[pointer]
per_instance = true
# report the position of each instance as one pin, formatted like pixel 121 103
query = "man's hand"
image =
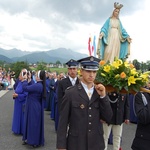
pixel 102 121
pixel 126 121
pixel 100 90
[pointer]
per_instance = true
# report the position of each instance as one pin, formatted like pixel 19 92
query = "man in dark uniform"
pixel 83 106
pixel 121 114
pixel 71 80
pixel 142 110
pixel 63 84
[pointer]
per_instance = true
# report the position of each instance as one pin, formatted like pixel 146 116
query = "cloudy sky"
pixel 40 25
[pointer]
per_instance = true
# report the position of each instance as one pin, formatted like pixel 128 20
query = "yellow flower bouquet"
pixel 120 75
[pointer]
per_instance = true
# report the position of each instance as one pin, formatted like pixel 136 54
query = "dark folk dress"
pixel 34 114
pixel 18 115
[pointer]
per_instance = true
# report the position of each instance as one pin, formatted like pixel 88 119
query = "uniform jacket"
pixel 142 135
pixel 121 109
pixel 80 120
pixel 62 86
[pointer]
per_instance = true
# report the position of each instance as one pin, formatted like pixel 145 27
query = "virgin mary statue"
pixel 113 40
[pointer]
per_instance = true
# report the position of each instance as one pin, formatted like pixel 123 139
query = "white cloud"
pixel 20 30
pixel 137 25
pixel 44 25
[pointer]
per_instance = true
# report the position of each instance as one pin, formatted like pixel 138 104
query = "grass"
pixel 58 70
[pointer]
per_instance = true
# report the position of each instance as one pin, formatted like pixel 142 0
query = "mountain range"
pixel 50 56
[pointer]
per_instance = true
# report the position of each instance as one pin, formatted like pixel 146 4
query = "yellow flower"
pixel 144 76
pixel 121 74
pixel 107 68
pixel 79 73
pixel 117 76
pixel 126 64
pixel 103 74
pixel 147 72
pixel 138 78
pixel 131 80
pixel 133 71
pixel 117 63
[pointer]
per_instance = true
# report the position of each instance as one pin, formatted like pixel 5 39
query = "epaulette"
pixel 69 87
pixel 79 86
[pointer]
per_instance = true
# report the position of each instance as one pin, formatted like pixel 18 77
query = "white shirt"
pixel 88 91
pixel 55 79
pixel 73 80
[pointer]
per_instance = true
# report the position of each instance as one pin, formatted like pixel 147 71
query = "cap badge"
pixel 91 59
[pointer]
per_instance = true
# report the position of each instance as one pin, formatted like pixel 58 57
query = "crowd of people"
pixel 85 115
pixel 6 78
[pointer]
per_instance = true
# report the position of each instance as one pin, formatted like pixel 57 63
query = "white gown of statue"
pixel 112 50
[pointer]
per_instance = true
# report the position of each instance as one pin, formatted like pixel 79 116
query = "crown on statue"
pixel 117 5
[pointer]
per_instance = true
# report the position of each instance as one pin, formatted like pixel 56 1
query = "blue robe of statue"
pixel 124 47
pixel 34 114
pixel 19 103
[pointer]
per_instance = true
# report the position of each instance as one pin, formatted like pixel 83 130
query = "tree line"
pixel 17 66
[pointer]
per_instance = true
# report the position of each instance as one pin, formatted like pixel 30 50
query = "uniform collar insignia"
pixel 82 106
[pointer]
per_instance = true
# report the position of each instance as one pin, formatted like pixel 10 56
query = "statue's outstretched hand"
pixel 100 36
pixel 129 40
